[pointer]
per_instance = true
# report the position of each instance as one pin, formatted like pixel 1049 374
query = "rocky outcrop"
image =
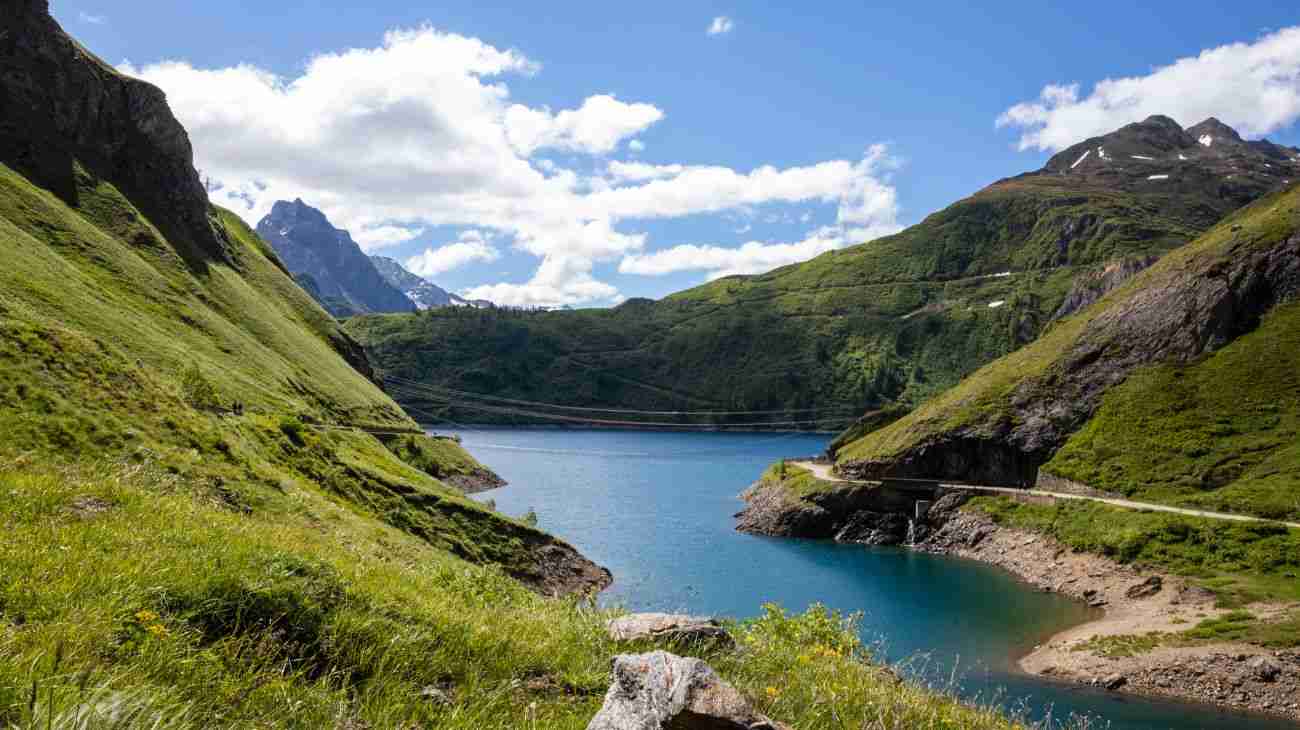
pixel 1177 311
pixel 346 280
pixel 1090 287
pixel 672 628
pixel 660 691
pixel 63 111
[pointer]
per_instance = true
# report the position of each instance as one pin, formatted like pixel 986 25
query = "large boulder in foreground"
pixel 676 628
pixel 661 691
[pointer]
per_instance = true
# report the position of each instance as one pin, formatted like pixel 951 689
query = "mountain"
pixel 212 518
pixel 422 292
pixel 1180 386
pixel 342 278
pixel 885 324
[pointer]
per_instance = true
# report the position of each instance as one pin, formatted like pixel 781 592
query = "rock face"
pixel 346 281
pixel 1092 286
pixel 62 108
pixel 660 691
pixel 675 628
pixel 1178 315
pixel 423 293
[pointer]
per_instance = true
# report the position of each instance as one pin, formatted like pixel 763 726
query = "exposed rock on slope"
pixel 1008 419
pixel 62 107
pixel 896 320
pixel 660 691
pixel 346 281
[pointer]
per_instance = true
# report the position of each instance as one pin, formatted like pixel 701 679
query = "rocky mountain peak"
pixel 63 109
pixel 1215 131
pixel 345 280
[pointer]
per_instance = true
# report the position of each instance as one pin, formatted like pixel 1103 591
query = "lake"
pixel 656 509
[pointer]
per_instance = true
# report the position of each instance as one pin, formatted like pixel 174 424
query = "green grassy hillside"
pixel 1180 387
pixel 186 541
pixel 893 321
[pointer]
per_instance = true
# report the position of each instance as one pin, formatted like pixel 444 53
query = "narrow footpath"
pixel 823 472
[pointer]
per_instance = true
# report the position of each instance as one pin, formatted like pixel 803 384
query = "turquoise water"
pixel 656 509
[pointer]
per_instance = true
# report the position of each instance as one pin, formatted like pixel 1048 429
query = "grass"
pixel 885 324
pixel 170 605
pixel 1122 645
pixel 1219 433
pixel 796 481
pixel 1241 562
pixel 1234 626
pixel 190 537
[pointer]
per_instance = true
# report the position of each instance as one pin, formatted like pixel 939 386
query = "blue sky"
pixel 870 116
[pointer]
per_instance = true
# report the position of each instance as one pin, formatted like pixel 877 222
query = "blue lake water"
pixel 656 509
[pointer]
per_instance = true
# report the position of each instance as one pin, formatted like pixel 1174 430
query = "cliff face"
pixel 346 280
pixel 1009 418
pixel 60 107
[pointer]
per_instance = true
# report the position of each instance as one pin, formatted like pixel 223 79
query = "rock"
pixel 1264 668
pixel 658 691
pixel 866 527
pixel 435 695
pixel 667 627
pixel 1148 587
pixel 1114 681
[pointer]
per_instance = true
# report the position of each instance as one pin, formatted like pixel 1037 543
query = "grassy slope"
pixel 898 319
pixel 175 607
pixel 1218 432
pixel 180 547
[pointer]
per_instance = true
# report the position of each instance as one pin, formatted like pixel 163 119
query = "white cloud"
pixel 471 246
pixel 422 132
pixel 751 258
pixel 1253 87
pixel 721 25
pixel 91 18
pixel 636 145
pixel 381 236
pixel 596 127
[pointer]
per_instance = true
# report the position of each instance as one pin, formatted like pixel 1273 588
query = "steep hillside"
pixel 194 535
pixel 166 335
pixel 1180 386
pixel 895 320
pixel 331 265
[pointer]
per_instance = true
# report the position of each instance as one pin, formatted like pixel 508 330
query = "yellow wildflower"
pixel 146 616
pixel 773 692
pixel 158 630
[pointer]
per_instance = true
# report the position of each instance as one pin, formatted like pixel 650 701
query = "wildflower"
pixel 146 616
pixel 158 630
pixel 773 693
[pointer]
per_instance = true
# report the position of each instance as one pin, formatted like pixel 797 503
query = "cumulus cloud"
pixel 421 132
pixel 471 246
pixel 636 145
pixel 721 25
pixel 1253 87
pixel 598 126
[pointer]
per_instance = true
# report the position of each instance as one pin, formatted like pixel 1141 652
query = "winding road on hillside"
pixel 823 472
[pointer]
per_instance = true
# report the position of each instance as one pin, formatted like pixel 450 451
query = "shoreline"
pixel 1233 676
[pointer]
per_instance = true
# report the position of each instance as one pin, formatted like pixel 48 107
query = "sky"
pixel 582 153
